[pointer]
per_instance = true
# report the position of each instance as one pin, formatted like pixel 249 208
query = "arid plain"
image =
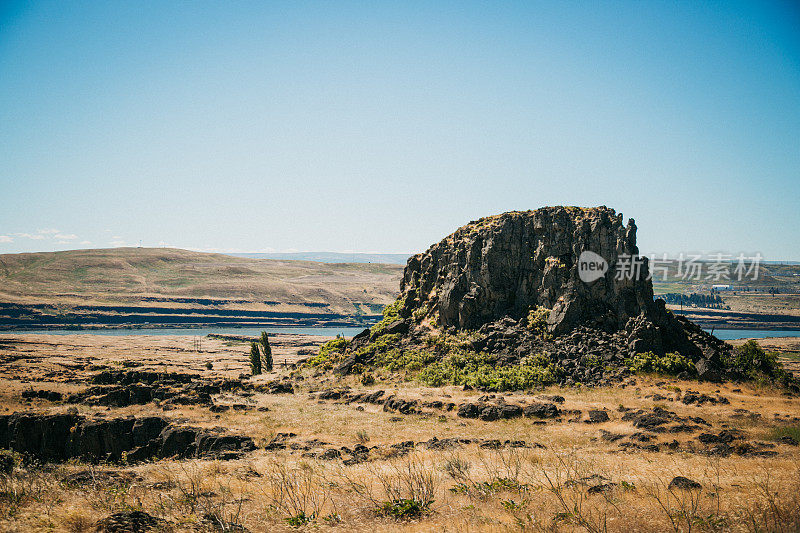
pixel 331 452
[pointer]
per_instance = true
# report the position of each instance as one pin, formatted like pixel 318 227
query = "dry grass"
pixel 467 488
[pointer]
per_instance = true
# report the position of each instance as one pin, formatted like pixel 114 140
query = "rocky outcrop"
pixel 504 265
pixel 578 266
pixel 59 437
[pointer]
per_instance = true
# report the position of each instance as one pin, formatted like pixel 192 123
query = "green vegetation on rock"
pixel 409 360
pixel 480 370
pixel 670 364
pixel 329 354
pixel 390 314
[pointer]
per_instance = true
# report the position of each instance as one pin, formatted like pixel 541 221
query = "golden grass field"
pixel 472 487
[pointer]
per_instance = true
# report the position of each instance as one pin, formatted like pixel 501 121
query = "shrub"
pixel 299 493
pixel 751 361
pixel 410 360
pixel 329 353
pixel 592 361
pixel 484 489
pixel 419 314
pixel 404 509
pixel 299 520
pixel 537 321
pixel 390 314
pixel 255 359
pixel 267 351
pixel 670 364
pixel 402 489
pixel 479 370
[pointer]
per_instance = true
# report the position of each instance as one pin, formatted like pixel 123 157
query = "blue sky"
pixel 384 126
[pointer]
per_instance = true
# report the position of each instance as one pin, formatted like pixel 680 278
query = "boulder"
pixel 541 410
pixel 596 416
pixel 128 522
pixel 468 410
pixel 684 483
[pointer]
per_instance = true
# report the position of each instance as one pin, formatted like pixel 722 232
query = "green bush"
pixel 404 509
pixel 299 519
pixel 409 360
pixel 751 361
pixel 480 371
pixel 390 314
pixel 592 361
pixel 670 364
pixel 381 344
pixel 329 353
pixel 537 321
pixel 255 359
pixel 419 314
pixel 484 489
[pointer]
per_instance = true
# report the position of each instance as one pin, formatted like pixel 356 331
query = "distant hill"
pixel 332 257
pixel 194 282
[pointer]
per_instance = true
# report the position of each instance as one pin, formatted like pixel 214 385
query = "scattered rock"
pixel 49 395
pixel 128 522
pixel 596 416
pixel 610 437
pixel 684 483
pixel 541 410
pixel 330 454
pixel 602 487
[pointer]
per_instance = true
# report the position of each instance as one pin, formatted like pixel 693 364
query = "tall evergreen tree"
pixel 265 347
pixel 255 359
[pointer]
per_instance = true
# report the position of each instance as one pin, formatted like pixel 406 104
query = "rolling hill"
pixel 172 283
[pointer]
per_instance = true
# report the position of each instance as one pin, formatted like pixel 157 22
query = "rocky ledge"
pixel 59 437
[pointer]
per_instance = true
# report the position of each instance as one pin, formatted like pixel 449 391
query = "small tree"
pixel 255 359
pixel 267 351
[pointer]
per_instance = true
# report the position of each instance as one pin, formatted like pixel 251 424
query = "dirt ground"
pixel 326 458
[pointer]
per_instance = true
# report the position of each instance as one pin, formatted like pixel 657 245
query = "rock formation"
pixel 506 264
pixel 579 266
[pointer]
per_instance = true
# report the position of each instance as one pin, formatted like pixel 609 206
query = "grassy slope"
pixel 127 275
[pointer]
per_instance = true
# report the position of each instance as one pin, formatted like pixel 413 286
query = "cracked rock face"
pixel 506 264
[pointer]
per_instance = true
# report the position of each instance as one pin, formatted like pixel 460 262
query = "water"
pixel 199 332
pixel 724 334
pixel 732 334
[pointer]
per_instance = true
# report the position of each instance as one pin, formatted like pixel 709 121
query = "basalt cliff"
pixel 575 270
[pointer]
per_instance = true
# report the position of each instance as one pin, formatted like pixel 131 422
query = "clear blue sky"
pixel 383 126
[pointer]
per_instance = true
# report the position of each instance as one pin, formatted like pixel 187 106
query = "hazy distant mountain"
pixel 332 257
